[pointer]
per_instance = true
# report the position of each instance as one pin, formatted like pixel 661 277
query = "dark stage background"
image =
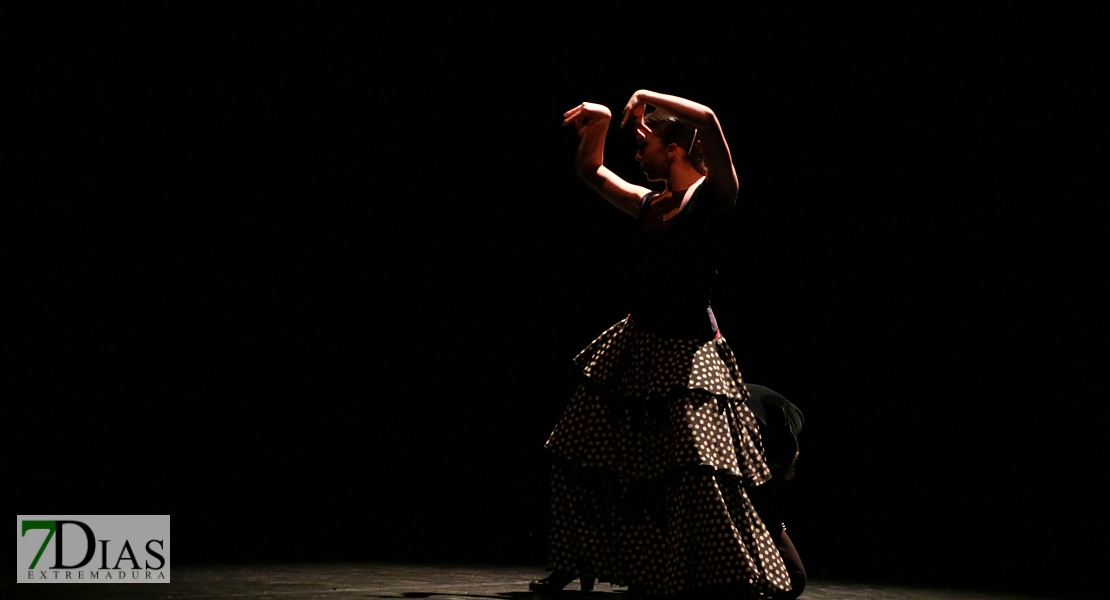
pixel 309 278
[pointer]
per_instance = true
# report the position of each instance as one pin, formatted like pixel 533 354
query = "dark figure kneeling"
pixel 780 422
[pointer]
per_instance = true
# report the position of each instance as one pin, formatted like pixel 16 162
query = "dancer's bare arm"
pixel 718 159
pixel 591 121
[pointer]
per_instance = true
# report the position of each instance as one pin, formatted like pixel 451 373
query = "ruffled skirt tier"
pixel 653 454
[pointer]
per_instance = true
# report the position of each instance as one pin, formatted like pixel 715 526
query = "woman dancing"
pixel 656 446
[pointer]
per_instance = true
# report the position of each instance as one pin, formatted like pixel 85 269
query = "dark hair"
pixel 672 131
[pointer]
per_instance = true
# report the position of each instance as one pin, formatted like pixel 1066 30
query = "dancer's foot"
pixel 559 580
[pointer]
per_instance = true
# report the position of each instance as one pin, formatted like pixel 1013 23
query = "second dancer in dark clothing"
pixel 780 422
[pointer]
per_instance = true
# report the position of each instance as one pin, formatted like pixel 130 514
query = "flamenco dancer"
pixel 656 446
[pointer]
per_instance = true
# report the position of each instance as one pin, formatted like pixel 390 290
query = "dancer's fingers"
pixel 637 112
pixel 576 109
pixel 572 114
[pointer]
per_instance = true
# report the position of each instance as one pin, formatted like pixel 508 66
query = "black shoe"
pixel 559 580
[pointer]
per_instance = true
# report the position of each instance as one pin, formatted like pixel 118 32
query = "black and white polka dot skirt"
pixel 652 456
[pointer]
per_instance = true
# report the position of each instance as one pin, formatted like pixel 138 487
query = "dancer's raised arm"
pixel 718 159
pixel 591 122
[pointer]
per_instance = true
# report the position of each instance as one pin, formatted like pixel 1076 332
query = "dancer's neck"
pixel 682 179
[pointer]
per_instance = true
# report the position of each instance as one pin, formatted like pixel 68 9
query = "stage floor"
pixel 339 582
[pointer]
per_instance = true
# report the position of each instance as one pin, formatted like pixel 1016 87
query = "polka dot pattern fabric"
pixel 651 404
pixel 633 362
pixel 649 440
pixel 652 456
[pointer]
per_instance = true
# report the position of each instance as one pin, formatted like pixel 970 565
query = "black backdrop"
pixel 309 278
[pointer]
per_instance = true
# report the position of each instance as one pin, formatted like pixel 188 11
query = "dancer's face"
pixel 652 156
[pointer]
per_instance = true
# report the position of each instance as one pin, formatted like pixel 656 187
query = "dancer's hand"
pixel 587 116
pixel 634 110
pixel 591 121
